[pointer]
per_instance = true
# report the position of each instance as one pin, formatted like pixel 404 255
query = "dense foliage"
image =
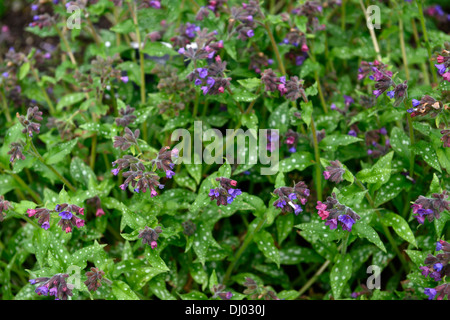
pixel 99 200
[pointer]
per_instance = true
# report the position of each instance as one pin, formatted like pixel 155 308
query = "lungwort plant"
pixel 224 149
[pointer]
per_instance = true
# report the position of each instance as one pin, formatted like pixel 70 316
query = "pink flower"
pixel 218 59
pixel 81 211
pixel 446 76
pixel 153 193
pixel 305 47
pixel 68 229
pixel 79 222
pixel 321 206
pixel 99 212
pixel 153 244
pixel 233 183
pixel 323 214
pixel 31 212
pixel 416 207
pixel 440 59
pixel 326 175
pixel 221 90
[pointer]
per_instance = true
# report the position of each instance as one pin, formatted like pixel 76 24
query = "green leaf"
pixel 297 161
pixel 307 109
pixel 122 291
pixel 334 141
pixel 318 230
pixel 70 99
pixel 428 154
pixel 340 274
pixel 363 230
pixel 265 243
pixel 391 189
pixel 250 83
pixel 59 152
pixel 279 118
pixel 284 223
pixel 193 295
pixel 400 142
pixel 81 172
pixel 24 69
pixel 124 27
pixel 400 226
pixel 418 257
pixel 213 281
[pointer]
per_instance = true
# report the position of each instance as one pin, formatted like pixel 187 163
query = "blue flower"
pixel 347 222
pixel 438 266
pixel 115 171
pixel 250 33
pixel 281 204
pixel 415 102
pixel 197 82
pixel 42 290
pixel 202 72
pixel 297 209
pixel 430 292
pixel 438 246
pixel 352 133
pixel 292 196
pixel 391 94
pixel 441 68
pixel 66 215
pixel 169 174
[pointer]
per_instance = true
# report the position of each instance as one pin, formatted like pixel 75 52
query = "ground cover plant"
pixel 221 150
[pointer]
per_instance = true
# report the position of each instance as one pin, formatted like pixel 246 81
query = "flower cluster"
pixel 128 139
pixel 258 292
pixel 126 116
pixel 245 15
pixel 287 196
pixel 4 206
pixel 438 266
pixel 426 105
pixel 443 65
pixel 292 88
pixel 430 208
pixel 67 213
pixel 296 38
pixel 446 138
pixel 334 172
pixel 16 151
pixel 310 9
pixel 33 114
pixel 164 161
pixel 258 61
pixel 292 140
pixel 224 193
pixel 149 236
pixel 211 79
pixel 95 277
pixel 55 286
pixel 219 291
pixel 336 214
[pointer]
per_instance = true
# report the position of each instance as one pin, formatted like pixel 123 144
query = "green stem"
pixel 5 106
pixel 317 158
pixel 44 92
pixel 64 180
pixel 343 14
pixel 244 246
pixel 93 151
pixel 313 278
pixel 141 53
pixel 66 44
pixel 427 42
pixel 402 43
pixel 319 86
pixel 344 243
pixel 423 66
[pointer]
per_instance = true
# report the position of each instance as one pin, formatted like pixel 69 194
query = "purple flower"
pixel 197 82
pixel 32 281
pixel 326 175
pixel 115 171
pixel 352 133
pixel 250 33
pixel 210 82
pixel 42 290
pixel 332 223
pixel 124 79
pixel 123 186
pixel 297 209
pixel 333 106
pixel 415 102
pixel 441 68
pixel 202 72
pixel 181 51
pixel 348 100
pixel 281 204
pixel 377 93
pixel 438 246
pixel 430 292
pixel 45 225
pixel 66 215
pixel 270 61
pixel 383 131
pixel 34 7
pixel 292 150
pixel 410 110
pixel 391 94
pixel 425 271
pixel 347 221
pixel 438 266
pixel 436 276
pixel 53 291
pixel 169 174
pixel 136 190
pixel 292 196
pixel 5 74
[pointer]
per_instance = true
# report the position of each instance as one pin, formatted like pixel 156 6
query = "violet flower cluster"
pixel 225 193
pixel 334 171
pixel 438 267
pixel 336 214
pixel 290 198
pixel 443 65
pixel 55 286
pixel 243 18
pixel 427 105
pixel 150 236
pixel 67 213
pixel 430 208
pixel 292 88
